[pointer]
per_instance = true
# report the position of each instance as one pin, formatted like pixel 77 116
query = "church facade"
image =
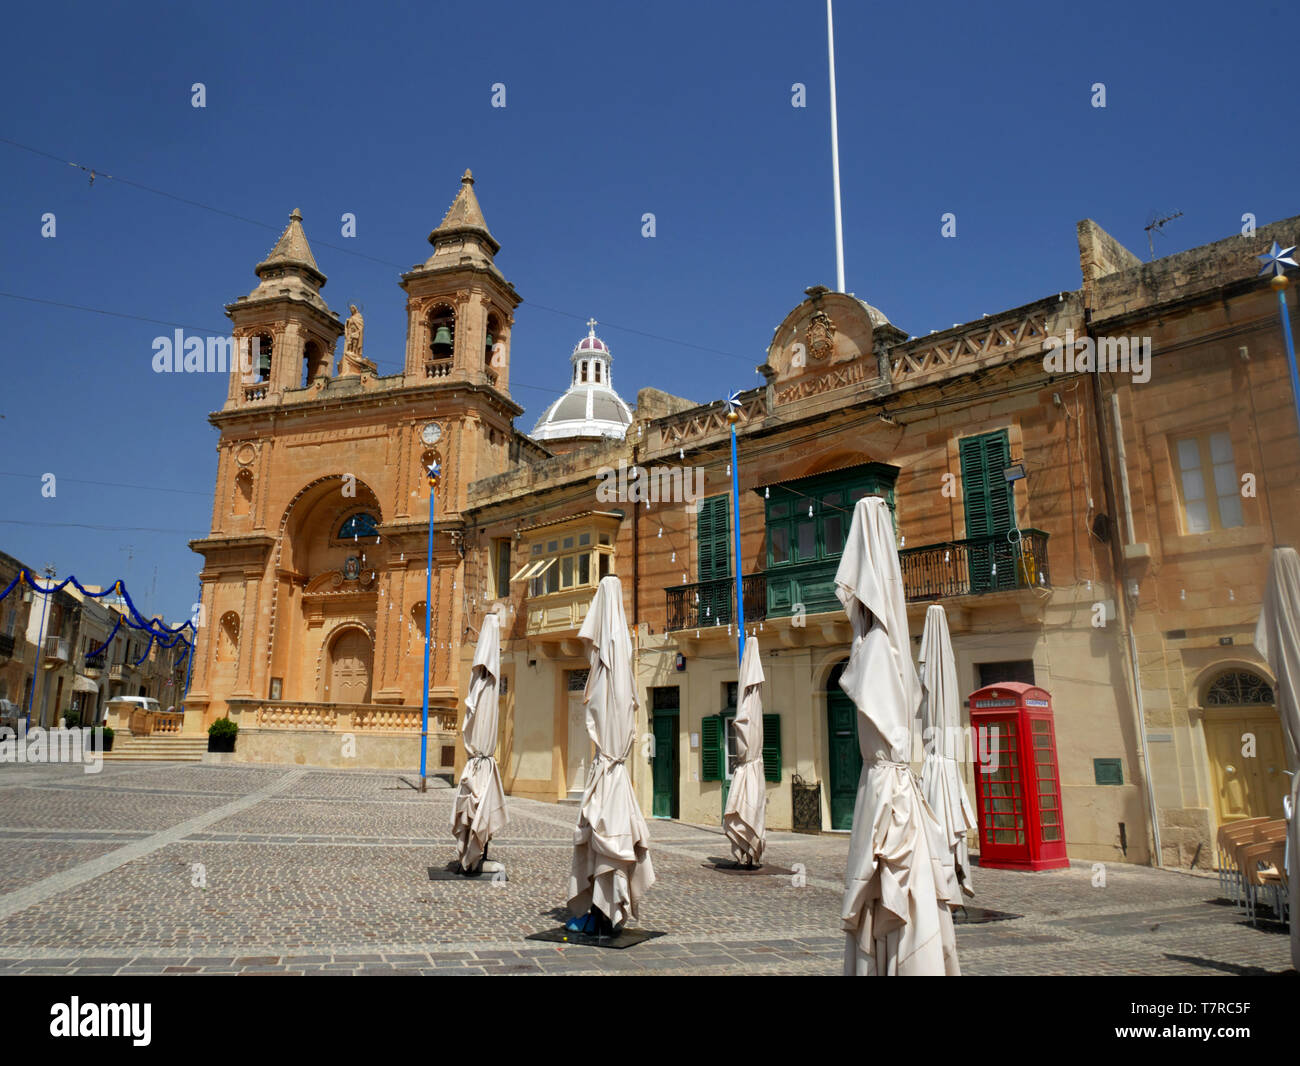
pixel 313 582
pixel 1078 525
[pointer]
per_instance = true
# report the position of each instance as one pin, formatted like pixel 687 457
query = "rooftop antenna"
pixel 1157 225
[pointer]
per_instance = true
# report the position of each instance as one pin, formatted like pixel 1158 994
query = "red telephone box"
pixel 1019 800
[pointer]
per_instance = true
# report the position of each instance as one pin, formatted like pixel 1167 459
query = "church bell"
pixel 441 341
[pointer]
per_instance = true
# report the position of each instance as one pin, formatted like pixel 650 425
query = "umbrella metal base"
pixel 624 938
pixel 487 872
pixel 979 916
pixel 727 866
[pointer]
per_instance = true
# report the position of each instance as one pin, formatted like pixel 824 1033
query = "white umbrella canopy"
pixel 611 868
pixel 745 820
pixel 896 906
pixel 479 812
pixel 1277 636
pixel 941 781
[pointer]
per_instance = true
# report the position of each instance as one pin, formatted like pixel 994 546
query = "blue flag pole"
pixel 733 416
pixel 1275 260
pixel 434 471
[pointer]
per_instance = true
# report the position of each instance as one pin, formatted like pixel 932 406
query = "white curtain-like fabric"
pixel 479 812
pixel 945 749
pixel 611 867
pixel 1277 636
pixel 745 820
pixel 896 912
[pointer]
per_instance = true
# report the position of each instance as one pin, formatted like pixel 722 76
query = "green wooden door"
pixel 713 559
pixel 845 755
pixel 990 511
pixel 665 766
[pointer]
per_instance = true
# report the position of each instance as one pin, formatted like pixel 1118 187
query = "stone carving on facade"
pixel 820 335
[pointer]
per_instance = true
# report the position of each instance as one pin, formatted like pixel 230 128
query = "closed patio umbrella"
pixel 479 812
pixel 896 907
pixel 745 820
pixel 941 781
pixel 1277 636
pixel 611 868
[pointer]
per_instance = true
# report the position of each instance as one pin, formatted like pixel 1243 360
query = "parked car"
pixel 134 703
pixel 10 714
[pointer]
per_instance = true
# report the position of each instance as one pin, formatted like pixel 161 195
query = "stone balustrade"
pixel 340 717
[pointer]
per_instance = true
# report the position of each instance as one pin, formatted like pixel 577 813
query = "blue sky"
pixel 680 109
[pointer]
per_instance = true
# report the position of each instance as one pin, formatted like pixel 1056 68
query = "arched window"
pixel 442 332
pixel 417 620
pixel 493 336
pixel 596 369
pixel 243 502
pixel 357 526
pixel 1239 688
pixel 315 362
pixel 261 348
pixel 228 639
pixel 584 371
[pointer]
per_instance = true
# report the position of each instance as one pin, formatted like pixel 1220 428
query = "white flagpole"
pixel 835 155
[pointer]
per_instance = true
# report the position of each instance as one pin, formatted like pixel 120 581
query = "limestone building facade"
pixel 1122 572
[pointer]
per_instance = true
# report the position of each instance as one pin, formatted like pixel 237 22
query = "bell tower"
pixel 284 331
pixel 459 306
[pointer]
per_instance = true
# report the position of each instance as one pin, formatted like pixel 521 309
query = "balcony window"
pixel 565 563
pixel 808 519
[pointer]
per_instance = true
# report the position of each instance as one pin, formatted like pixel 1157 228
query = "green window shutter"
pixel 711 748
pixel 711 525
pixel 772 747
pixel 990 503
pixel 714 559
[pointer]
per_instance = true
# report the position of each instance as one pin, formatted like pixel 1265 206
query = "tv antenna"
pixel 1157 225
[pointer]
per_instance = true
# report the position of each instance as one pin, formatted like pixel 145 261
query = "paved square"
pixel 192 869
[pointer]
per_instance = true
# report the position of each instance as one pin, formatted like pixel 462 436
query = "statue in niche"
pixel 354 332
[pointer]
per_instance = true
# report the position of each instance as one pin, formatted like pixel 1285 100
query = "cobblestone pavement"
pixel 315 871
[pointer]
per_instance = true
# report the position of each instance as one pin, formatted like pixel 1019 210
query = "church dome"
pixel 590 408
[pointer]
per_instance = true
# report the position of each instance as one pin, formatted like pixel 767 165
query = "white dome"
pixel 590 408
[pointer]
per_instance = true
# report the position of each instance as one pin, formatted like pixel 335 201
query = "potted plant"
pixel 221 735
pixel 107 741
pixel 71 717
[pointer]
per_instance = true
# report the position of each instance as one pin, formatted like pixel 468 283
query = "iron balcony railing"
pixel 713 603
pixel 971 567
pixel 976 565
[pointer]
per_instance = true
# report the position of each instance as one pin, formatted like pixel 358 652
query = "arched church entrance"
pixel 350 657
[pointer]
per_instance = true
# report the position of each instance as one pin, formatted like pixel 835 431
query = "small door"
pixel 350 668
pixel 1247 786
pixel 845 755
pixel 666 799
pixel 578 747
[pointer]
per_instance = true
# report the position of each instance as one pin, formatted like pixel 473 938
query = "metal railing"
pixel 713 603
pixel 971 567
pixel 976 566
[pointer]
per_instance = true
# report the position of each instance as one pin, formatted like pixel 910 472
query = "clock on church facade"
pixel 313 581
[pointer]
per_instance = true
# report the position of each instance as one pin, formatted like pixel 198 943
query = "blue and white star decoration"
pixel 1276 259
pixel 733 402
pixel 435 471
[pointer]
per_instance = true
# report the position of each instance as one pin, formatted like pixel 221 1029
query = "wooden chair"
pixel 1230 835
pixel 1263 866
